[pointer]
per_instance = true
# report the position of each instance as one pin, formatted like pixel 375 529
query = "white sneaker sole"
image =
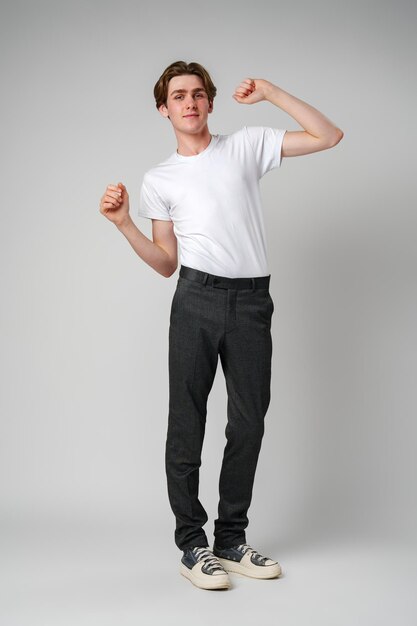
pixel 264 572
pixel 204 581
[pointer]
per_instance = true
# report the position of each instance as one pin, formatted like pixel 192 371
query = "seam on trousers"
pixel 197 352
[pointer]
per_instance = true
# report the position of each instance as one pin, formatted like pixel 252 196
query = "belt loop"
pixel 205 278
pixel 253 284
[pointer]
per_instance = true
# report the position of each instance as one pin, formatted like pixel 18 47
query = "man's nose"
pixel 190 102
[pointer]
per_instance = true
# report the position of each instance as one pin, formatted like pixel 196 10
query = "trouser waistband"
pixel 224 282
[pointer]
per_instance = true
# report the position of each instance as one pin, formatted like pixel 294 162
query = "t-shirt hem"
pixel 278 158
pixel 155 217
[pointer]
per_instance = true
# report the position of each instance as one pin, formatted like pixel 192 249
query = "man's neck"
pixel 190 145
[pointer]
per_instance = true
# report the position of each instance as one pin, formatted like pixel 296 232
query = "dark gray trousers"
pixel 211 316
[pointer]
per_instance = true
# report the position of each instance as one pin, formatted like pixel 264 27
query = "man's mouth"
pixel 192 115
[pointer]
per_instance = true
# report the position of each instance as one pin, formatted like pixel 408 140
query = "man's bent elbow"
pixel 336 137
pixel 169 271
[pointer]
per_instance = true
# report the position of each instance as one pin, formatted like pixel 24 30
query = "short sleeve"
pixel 267 146
pixel 150 203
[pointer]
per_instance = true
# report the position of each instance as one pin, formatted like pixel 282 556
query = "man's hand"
pixel 252 90
pixel 114 204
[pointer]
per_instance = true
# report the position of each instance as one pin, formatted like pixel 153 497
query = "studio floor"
pixel 87 576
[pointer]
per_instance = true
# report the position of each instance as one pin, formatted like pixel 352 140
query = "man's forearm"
pixel 306 115
pixel 148 251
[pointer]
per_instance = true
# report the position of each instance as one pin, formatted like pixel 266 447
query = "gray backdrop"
pixel 86 525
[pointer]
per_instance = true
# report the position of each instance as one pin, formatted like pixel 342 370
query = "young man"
pixel 206 196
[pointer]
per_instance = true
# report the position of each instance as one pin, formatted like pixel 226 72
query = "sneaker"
pixel 204 569
pixel 243 559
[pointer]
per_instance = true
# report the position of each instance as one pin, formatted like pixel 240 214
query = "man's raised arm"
pixel 319 132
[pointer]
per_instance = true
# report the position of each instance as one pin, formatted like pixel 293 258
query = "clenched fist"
pixel 114 204
pixel 252 90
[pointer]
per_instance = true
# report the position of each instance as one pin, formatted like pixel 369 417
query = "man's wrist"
pixel 125 223
pixel 271 92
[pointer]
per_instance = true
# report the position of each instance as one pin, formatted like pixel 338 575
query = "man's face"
pixel 187 104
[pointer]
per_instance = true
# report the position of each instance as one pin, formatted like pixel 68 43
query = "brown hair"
pixel 179 68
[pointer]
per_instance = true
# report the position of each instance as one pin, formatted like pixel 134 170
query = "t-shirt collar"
pixel 194 157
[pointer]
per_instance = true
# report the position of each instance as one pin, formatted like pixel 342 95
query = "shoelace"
pixel 244 547
pixel 211 561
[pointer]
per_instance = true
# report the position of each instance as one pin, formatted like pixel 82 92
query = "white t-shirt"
pixel 213 198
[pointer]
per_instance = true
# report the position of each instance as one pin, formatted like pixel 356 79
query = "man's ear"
pixel 211 104
pixel 163 110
